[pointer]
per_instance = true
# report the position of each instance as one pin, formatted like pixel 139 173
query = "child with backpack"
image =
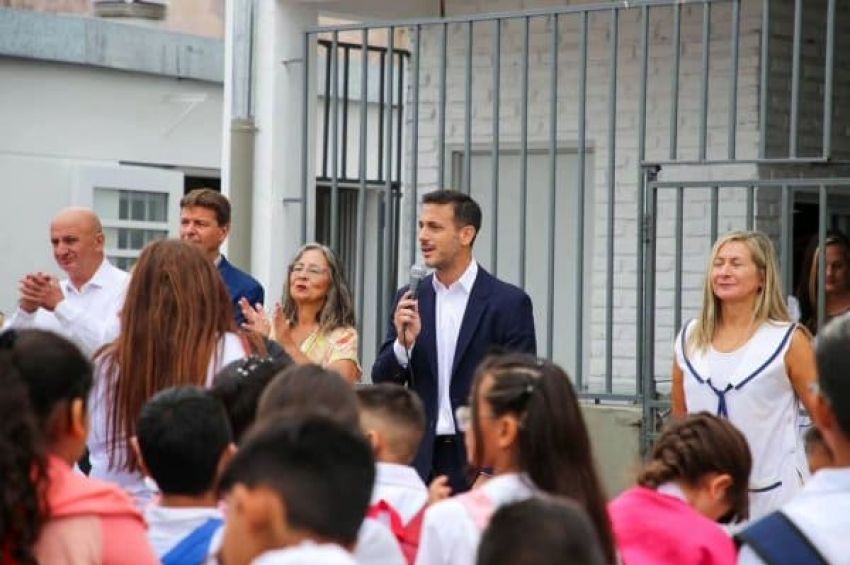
pixel 696 476
pixel 183 441
pixel 525 425
pixel 393 419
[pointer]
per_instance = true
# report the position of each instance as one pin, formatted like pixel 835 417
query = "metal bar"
pixel 612 149
pixel 441 111
pixel 733 78
pixel 334 227
pixel 305 137
pixel 560 10
pixel 751 198
pixel 784 238
pixel 676 48
pixel 327 110
pixel 763 65
pixel 494 147
pixel 822 219
pixel 386 285
pixel 829 79
pixel 780 161
pixel 400 119
pixel 582 155
pixel 640 321
pixel 523 174
pixel 413 197
pixel 648 380
pixel 381 109
pixel 795 78
pixel 677 268
pixel 553 187
pixel 703 106
pixel 345 103
pixel 761 183
pixel 715 212
pixel 467 113
pixel 361 192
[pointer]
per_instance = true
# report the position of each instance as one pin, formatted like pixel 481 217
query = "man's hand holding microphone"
pixel 406 318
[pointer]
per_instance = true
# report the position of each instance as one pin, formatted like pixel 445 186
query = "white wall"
pixel 59 119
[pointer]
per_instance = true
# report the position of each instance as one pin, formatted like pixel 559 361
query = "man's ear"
pixel 375 440
pixel 467 235
pixel 134 443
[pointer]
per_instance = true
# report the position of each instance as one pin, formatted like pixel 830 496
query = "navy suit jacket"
pixel 498 318
pixel 239 284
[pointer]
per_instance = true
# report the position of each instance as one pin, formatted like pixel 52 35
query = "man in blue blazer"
pixel 205 221
pixel 436 339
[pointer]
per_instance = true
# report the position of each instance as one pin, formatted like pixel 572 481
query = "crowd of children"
pixel 278 464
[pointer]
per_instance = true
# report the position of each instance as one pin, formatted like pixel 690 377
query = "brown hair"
pixel 305 390
pixel 400 414
pixel 176 311
pixel 554 447
pixel 702 443
pixel 209 198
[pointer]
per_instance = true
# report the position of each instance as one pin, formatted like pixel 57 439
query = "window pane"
pixel 157 206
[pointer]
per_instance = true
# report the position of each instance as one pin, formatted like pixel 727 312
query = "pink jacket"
pixel 652 528
pixel 90 522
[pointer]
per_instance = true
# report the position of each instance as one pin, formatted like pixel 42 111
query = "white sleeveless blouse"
pixel 756 395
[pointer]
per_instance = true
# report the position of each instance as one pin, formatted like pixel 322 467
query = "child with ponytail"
pixel 526 426
pixel 50 513
pixel 697 475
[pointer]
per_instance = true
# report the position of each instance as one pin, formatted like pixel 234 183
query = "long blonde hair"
pixel 770 304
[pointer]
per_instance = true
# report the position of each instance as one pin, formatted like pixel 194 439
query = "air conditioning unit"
pixel 146 9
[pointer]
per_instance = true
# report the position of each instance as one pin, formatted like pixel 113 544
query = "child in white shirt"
pixel 525 425
pixel 183 440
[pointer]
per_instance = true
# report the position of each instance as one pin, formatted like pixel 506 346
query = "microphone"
pixel 417 273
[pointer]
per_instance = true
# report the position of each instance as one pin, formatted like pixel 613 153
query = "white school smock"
pixel 401 487
pixel 229 349
pixel 754 392
pixel 450 534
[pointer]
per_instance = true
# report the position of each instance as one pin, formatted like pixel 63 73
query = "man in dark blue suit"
pixel 437 339
pixel 205 221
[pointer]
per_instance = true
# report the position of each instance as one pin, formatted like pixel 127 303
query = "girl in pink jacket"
pixel 50 513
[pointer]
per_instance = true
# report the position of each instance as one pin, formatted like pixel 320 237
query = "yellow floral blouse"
pixel 325 349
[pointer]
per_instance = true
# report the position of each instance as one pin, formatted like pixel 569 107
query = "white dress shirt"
pixel 822 512
pixel 451 304
pixel 307 553
pixel 88 315
pixel 376 545
pixel 169 526
pixel 401 487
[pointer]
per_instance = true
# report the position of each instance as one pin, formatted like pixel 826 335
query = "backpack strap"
pixel 193 549
pixel 778 541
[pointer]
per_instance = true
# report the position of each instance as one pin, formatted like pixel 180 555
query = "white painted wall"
pixel 59 120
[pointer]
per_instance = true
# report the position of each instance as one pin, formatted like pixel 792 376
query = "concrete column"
pixel 275 101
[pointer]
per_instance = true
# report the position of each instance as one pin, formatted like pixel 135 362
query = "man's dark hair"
pixel 211 199
pixel 540 531
pixel 182 433
pixel 401 410
pixel 466 210
pixel 239 386
pixel 322 472
pixel 833 368
pixel 303 390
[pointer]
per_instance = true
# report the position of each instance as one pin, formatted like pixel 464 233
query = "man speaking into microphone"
pixel 437 338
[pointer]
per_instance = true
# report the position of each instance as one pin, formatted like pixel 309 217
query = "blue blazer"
pixel 498 318
pixel 239 284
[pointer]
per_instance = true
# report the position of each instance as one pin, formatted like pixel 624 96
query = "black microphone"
pixel 417 273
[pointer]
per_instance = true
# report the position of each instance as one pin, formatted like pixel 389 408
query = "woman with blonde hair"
pixel 743 359
pixel 315 323
pixel 177 328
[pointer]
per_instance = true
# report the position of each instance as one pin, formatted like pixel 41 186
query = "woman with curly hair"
pixel 49 512
pixel 315 323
